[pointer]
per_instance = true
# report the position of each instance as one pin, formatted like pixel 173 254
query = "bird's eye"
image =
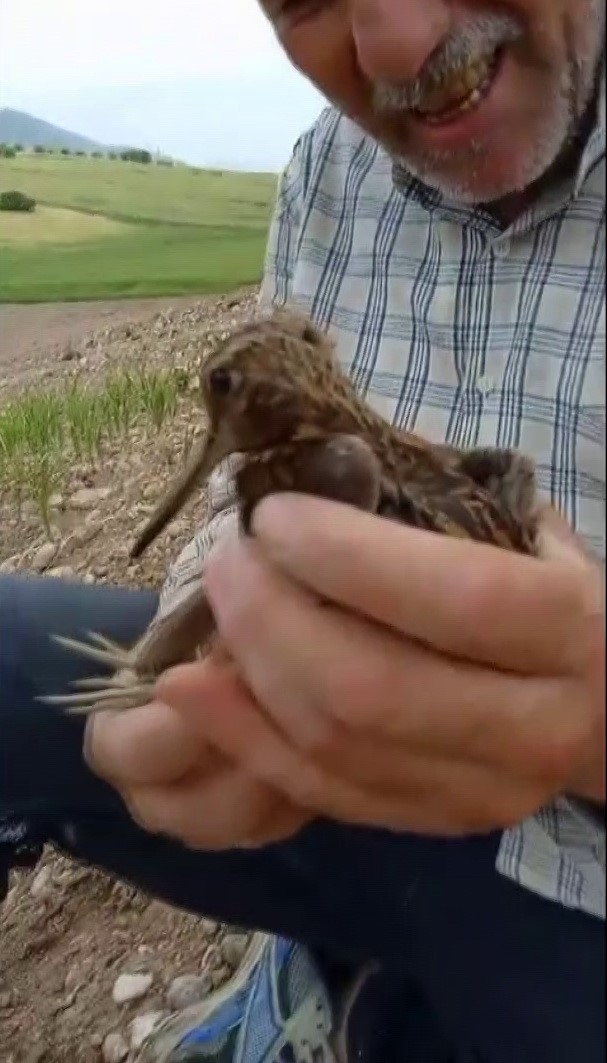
pixel 221 381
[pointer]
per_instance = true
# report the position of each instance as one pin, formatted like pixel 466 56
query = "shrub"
pixel 164 162
pixel 39 149
pixel 96 155
pixel 80 154
pixel 136 155
pixel 18 147
pixel 16 201
pixel 112 155
pixel 7 152
pixel 65 151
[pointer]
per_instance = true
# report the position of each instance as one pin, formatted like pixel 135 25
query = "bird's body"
pixel 276 396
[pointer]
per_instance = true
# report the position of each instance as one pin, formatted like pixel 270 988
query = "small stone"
pixel 219 976
pixel 114 1049
pixel 72 979
pixel 233 948
pixel 131 987
pixel 188 989
pixel 61 572
pixel 6 1000
pixel 87 533
pixel 41 883
pixel 89 496
pixel 43 556
pixel 208 928
pixel 142 1026
pixel 10 564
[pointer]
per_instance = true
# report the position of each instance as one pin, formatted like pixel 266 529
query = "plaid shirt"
pixel 468 334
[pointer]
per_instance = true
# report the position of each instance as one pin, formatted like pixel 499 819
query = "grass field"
pixel 108 229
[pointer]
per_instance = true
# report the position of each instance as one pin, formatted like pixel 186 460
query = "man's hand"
pixel 441 686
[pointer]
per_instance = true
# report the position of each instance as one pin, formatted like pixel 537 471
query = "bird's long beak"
pixel 209 452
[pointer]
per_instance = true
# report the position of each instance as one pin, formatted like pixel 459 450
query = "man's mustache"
pixel 472 43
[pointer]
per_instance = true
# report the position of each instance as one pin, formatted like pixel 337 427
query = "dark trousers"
pixel 506 976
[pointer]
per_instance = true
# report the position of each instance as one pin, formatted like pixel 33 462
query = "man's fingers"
pixel 321 673
pixel 467 599
pixel 426 794
pixel 147 745
pixel 224 811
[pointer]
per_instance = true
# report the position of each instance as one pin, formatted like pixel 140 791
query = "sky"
pixel 203 80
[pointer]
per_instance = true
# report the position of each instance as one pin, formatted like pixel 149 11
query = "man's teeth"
pixel 464 91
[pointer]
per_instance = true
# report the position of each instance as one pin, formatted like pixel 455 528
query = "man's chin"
pixel 477 181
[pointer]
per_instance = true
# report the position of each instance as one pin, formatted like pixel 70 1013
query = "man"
pixel 409 782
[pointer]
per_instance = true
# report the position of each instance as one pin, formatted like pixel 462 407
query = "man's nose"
pixel 394 38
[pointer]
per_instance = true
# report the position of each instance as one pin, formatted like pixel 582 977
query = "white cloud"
pixel 203 79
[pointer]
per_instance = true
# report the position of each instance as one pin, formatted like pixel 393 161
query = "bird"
pixel 277 399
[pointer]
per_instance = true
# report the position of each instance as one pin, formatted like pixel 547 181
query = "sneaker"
pixel 275 1009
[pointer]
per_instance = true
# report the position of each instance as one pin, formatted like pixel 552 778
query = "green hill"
pixel 17 127
pixel 104 228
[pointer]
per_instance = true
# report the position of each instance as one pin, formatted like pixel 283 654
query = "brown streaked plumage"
pixel 275 394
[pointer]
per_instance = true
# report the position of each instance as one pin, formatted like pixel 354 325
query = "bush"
pixel 7 152
pixel 80 154
pixel 96 155
pixel 65 151
pixel 136 155
pixel 164 162
pixel 18 147
pixel 112 155
pixel 39 149
pixel 16 201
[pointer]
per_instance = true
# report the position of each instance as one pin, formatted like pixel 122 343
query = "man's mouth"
pixel 464 91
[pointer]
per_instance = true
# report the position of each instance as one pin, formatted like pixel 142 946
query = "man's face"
pixel 476 97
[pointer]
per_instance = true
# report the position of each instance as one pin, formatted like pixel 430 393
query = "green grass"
pixel 42 433
pixel 184 231
pixel 132 192
pixel 55 225
pixel 155 261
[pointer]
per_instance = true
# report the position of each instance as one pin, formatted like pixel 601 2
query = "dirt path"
pixel 30 335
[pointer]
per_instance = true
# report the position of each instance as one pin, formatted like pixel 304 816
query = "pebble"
pixel 131 987
pixel 89 531
pixel 233 948
pixel 142 1026
pixel 41 882
pixel 219 976
pixel 10 565
pixel 43 556
pixel 72 979
pixel 188 989
pixel 62 572
pixel 87 497
pixel 114 1049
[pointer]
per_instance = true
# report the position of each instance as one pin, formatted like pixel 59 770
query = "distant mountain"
pixel 17 127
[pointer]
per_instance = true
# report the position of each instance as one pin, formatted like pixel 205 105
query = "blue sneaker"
pixel 275 1009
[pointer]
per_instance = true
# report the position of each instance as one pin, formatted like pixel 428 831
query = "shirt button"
pixel 501 248
pixel 485 385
